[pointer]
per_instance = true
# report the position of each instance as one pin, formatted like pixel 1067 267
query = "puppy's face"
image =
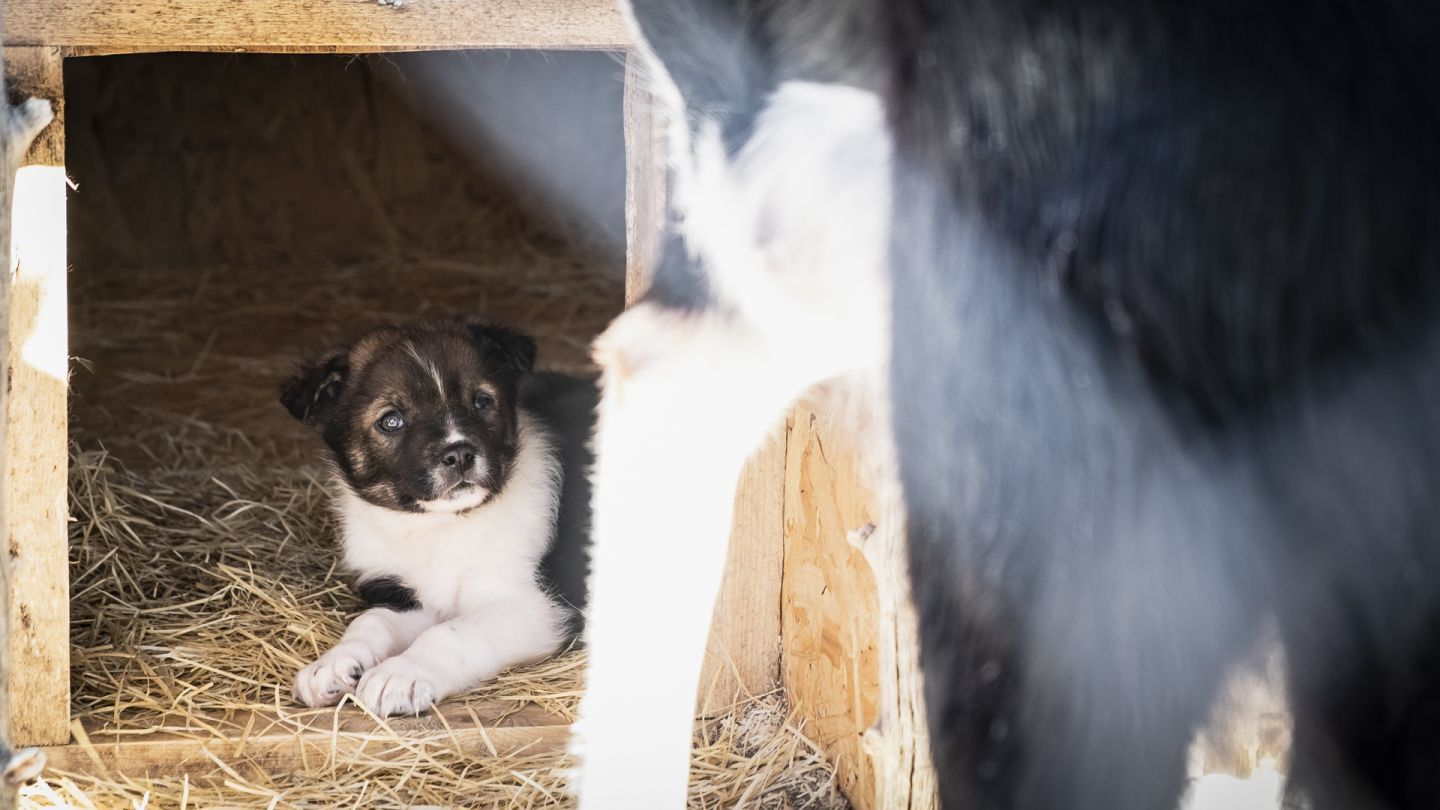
pixel 418 418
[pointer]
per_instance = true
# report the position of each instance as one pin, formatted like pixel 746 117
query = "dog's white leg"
pixel 374 636
pixel 793 239
pixel 687 397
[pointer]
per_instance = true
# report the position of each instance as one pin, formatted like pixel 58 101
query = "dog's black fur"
pixel 566 404
pixel 1165 360
pixel 386 591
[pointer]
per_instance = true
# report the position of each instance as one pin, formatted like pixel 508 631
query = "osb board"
pixel 106 26
pixel 33 441
pixel 850 659
pixel 829 617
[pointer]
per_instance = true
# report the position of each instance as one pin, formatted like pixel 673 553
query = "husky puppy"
pixel 458 478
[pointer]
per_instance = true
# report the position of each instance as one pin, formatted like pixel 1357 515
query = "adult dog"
pixel 1154 289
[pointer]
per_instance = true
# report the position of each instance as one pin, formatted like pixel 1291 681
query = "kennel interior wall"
pixel 814 597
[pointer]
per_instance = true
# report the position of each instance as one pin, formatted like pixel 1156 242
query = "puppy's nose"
pixel 460 455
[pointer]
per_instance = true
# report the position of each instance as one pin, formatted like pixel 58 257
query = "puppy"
pixel 458 478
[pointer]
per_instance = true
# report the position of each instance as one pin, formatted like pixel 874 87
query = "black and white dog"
pixel 459 480
pixel 1155 291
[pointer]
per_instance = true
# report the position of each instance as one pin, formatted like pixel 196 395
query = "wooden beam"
pixel 283 742
pixel 19 125
pixel 33 431
pixel 850 656
pixel 645 180
pixel 331 26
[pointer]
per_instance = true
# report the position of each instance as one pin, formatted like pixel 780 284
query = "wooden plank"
pixel 19 125
pixel 743 657
pixel 645 179
pixel 33 432
pixel 273 742
pixel 831 666
pixel 850 660
pixel 331 26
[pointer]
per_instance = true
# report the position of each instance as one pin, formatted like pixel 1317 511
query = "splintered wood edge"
pixel 289 741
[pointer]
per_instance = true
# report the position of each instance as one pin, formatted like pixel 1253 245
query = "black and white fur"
pixel 1154 289
pixel 459 482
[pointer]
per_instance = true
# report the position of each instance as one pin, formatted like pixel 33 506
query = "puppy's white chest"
pixel 455 562
pixel 441 559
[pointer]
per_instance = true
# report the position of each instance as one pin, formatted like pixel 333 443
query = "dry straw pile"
pixel 198 595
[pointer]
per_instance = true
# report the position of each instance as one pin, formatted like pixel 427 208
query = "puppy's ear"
pixel 514 350
pixel 310 395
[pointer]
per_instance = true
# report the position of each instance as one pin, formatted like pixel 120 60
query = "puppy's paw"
pixel 398 686
pixel 335 675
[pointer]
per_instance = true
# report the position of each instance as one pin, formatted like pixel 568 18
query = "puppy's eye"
pixel 391 422
pixel 484 401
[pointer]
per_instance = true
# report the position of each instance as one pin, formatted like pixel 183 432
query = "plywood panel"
pixel 108 26
pixel 33 439
pixel 849 657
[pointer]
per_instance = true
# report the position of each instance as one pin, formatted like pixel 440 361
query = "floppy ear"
pixel 314 389
pixel 514 351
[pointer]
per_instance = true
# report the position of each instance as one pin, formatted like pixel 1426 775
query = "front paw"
pixel 335 675
pixel 397 686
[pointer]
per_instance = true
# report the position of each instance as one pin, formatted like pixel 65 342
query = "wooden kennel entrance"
pixel 814 596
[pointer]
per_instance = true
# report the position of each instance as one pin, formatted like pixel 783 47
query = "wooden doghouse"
pixel 815 596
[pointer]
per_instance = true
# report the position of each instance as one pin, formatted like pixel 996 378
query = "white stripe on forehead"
pixel 427 366
pixel 453 434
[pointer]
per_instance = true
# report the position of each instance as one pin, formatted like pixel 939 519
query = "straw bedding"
pixel 198 595
pixel 201 546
